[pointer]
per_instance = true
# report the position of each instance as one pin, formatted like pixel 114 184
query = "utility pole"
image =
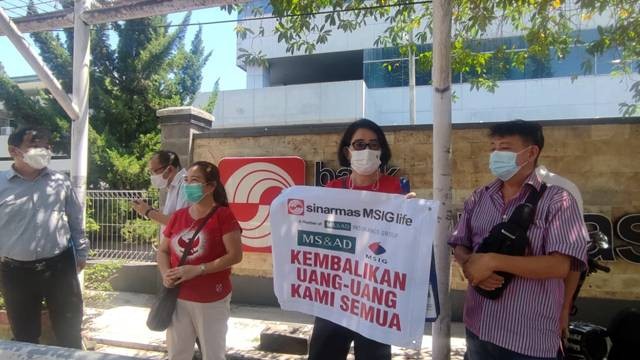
pixel 441 75
pixel 412 80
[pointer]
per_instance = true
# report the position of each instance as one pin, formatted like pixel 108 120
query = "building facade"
pixel 348 78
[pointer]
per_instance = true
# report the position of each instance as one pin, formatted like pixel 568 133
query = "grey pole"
pixel 80 127
pixel 441 74
pixel 412 81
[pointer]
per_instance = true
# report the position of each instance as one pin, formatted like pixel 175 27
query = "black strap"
pixel 535 195
pixel 187 249
pixel 524 213
pixel 344 182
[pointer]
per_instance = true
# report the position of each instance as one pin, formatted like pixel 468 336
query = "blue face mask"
pixel 503 164
pixel 193 193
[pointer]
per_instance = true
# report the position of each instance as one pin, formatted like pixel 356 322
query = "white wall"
pixel 4 147
pixel 295 104
pixel 541 99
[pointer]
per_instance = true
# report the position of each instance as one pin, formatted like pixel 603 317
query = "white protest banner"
pixel 358 258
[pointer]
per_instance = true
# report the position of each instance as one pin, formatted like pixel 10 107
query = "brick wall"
pixel 602 159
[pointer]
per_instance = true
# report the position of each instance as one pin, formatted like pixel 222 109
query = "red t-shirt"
pixel 207 247
pixel 386 184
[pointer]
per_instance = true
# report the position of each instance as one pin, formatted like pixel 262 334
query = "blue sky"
pixel 220 38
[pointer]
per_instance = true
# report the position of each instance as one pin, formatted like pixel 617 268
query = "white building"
pixel 346 79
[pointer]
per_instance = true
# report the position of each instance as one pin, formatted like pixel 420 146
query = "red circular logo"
pixel 296 207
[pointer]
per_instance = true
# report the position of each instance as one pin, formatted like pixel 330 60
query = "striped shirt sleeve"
pixel 462 233
pixel 566 232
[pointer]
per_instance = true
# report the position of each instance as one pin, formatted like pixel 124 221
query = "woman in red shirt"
pixel 202 309
pixel 364 149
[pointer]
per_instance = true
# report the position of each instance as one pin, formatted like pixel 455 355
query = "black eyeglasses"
pixel 361 145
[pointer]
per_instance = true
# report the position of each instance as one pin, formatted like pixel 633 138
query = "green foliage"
pixel 140 231
pixel 213 98
pixel 98 276
pixel 548 27
pixel 150 68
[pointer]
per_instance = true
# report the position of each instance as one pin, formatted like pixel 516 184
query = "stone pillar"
pixel 177 127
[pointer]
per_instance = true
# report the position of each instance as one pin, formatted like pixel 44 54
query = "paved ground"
pixel 115 323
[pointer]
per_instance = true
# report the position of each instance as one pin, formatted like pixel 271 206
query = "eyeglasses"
pixel 158 171
pixel 361 145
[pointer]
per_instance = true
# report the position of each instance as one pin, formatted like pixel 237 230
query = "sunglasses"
pixel 361 145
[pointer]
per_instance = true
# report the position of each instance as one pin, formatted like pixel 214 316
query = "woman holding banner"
pixel 202 309
pixel 364 149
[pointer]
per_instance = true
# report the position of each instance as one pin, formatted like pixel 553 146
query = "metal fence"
pixel 115 230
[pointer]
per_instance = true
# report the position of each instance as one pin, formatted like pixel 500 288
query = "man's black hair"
pixel 16 138
pixel 385 150
pixel 529 131
pixel 168 158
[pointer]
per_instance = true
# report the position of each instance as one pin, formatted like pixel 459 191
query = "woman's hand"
pixel 410 195
pixel 183 273
pixel 168 281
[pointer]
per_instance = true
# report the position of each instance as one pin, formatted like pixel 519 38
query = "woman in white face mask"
pixel 364 149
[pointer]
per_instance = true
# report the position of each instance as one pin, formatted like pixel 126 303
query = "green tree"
pixel 213 98
pixel 548 27
pixel 148 69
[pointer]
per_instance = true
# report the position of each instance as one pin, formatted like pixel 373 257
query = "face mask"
pixel 193 193
pixel 365 162
pixel 37 158
pixel 503 164
pixel 158 182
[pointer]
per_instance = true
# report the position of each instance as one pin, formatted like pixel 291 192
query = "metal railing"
pixel 115 230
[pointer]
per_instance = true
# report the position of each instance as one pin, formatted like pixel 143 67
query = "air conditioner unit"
pixel 6 130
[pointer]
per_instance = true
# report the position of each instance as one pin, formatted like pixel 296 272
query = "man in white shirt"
pixel 571 281
pixel 165 173
pixel 550 178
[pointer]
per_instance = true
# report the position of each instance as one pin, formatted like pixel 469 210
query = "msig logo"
pixel 377 249
pixel 295 206
pixel 252 184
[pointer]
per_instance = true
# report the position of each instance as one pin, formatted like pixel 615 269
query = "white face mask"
pixel 365 162
pixel 158 182
pixel 37 158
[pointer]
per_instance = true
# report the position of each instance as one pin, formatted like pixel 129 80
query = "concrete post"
pixel 177 127
pixel 258 77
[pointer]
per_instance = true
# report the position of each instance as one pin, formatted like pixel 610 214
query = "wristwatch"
pixel 146 213
pixel 203 268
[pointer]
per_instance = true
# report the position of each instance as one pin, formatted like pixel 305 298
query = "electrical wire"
pixel 324 12
pixel 250 19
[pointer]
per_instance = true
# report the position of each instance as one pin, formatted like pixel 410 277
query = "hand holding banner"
pixel 357 258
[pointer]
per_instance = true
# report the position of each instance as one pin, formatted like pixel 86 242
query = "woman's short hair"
pixel 345 142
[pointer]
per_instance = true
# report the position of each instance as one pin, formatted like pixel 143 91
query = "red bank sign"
pixel 252 183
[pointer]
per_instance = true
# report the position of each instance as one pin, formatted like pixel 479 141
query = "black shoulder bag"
pixel 510 237
pixel 164 305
